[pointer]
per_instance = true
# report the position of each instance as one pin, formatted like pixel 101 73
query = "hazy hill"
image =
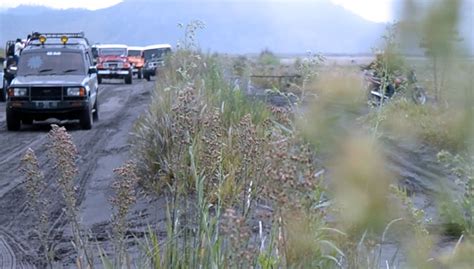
pixel 234 27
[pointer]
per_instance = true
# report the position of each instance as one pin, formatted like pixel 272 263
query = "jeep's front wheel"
pixel 86 118
pixel 95 113
pixel 147 77
pixel 3 92
pixel 27 121
pixel 128 78
pixel 13 121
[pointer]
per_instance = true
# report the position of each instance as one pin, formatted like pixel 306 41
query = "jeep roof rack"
pixel 59 35
pixel 80 35
pixel 81 40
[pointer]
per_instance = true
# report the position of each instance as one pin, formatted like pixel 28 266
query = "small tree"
pixel 391 61
pixel 392 57
pixel 439 39
pixel 267 57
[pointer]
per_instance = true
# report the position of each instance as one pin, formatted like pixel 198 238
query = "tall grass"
pixel 222 159
pixel 63 154
pixel 245 189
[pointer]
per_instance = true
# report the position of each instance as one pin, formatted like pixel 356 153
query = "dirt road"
pixel 101 150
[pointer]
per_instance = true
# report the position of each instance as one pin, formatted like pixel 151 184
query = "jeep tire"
pixel 128 78
pixel 95 113
pixel 13 121
pixel 86 118
pixel 147 76
pixel 139 74
pixel 3 91
pixel 27 121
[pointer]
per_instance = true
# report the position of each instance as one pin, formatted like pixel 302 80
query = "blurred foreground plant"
pixel 124 187
pixel 64 154
pixel 36 186
pixel 459 210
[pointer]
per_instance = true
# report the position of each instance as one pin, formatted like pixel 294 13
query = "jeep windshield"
pixel 155 53
pixel 51 62
pixel 134 53
pixel 113 52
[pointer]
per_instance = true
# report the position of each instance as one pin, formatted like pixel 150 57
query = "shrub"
pixel 430 124
pixel 267 57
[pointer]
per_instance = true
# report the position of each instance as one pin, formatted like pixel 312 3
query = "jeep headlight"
pixel 18 92
pixel 76 91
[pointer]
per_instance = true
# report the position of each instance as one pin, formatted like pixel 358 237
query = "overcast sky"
pixel 374 10
pixel 62 4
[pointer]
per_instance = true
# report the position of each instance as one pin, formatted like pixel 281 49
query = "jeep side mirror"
pixel 92 70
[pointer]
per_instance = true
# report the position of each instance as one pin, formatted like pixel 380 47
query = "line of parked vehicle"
pixel 125 62
pixel 57 75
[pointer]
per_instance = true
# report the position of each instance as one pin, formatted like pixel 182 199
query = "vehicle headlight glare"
pixel 75 91
pixel 20 91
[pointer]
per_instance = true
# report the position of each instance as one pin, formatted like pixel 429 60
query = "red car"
pixel 112 62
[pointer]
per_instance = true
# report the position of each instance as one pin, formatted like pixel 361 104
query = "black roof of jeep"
pixel 54 40
pixel 56 47
pixel 76 44
pixel 60 48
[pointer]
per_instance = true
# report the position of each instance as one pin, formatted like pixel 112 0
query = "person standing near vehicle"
pixel 18 48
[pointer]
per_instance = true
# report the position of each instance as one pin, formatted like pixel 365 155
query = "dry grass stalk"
pixel 64 154
pixel 125 196
pixel 38 204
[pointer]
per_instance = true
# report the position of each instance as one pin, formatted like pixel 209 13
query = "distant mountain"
pixel 24 10
pixel 231 27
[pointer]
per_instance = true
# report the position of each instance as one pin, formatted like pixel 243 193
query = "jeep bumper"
pixel 41 110
pixel 106 72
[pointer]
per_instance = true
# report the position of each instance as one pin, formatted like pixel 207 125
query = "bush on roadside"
pixel 430 124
